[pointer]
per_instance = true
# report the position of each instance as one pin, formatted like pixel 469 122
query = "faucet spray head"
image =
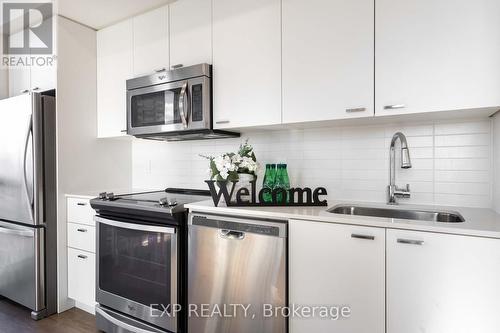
pixel 405 158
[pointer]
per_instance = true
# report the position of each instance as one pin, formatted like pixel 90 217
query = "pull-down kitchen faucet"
pixel 393 191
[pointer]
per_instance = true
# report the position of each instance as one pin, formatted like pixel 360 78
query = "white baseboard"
pixel 85 307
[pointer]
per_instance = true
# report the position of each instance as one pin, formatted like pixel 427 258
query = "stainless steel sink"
pixel 397 213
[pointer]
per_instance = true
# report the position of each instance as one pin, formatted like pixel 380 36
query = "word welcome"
pixel 279 197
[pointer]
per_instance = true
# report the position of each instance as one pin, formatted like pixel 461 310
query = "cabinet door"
pixel 338 265
pixel 19 80
pixel 19 76
pixel 328 48
pixel 43 78
pixel 81 276
pixel 191 32
pixel 442 283
pixel 151 41
pixel 114 67
pixel 247 63
pixel 436 55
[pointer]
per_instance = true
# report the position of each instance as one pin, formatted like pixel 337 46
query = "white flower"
pixel 224 173
pixel 219 162
pixel 236 158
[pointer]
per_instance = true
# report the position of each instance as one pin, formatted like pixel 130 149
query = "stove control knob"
pixel 102 195
pixel 110 196
pixel 167 202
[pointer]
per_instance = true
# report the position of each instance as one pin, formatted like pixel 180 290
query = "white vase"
pixel 244 180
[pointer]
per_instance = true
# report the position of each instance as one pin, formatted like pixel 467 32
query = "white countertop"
pixel 478 222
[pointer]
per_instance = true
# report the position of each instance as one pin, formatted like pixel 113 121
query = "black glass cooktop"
pixel 169 197
pixel 144 204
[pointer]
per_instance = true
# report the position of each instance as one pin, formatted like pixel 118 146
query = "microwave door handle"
pixel 184 105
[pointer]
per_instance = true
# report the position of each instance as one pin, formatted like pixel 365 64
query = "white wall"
pixel 84 162
pixel 451 161
pixel 496 163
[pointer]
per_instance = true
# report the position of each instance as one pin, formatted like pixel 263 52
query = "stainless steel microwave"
pixel 172 105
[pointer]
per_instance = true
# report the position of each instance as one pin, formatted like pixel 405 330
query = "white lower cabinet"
pixel 440 283
pixel 81 277
pixel 81 252
pixel 337 265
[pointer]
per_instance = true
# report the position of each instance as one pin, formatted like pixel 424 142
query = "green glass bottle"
pixel 286 181
pixel 283 183
pixel 269 182
pixel 279 185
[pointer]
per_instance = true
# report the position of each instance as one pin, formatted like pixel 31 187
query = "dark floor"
pixel 16 319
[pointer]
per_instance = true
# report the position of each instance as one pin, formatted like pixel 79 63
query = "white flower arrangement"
pixel 228 165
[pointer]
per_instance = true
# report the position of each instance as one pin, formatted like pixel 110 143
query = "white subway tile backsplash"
pixel 462 176
pixel 463 152
pixel 463 128
pixel 463 164
pixel 460 188
pixel 462 140
pixel 451 161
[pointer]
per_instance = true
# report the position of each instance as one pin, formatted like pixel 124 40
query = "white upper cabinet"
pixel 436 55
pixel 114 67
pixel 19 76
pixel 442 283
pixel 247 63
pixel 328 48
pixel 338 265
pixel 151 46
pixel 43 77
pixel 19 80
pixel 191 32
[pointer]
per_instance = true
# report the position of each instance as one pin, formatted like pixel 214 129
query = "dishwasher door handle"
pixel 230 234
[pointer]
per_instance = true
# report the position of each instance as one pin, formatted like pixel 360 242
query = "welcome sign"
pixel 279 197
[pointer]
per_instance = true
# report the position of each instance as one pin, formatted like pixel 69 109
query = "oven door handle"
pixel 184 108
pixel 121 324
pixel 132 226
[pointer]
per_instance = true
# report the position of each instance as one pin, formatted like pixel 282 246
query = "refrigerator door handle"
pixel 23 233
pixel 29 133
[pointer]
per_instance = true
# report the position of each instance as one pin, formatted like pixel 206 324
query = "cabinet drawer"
pixel 81 236
pixel 81 276
pixel 79 211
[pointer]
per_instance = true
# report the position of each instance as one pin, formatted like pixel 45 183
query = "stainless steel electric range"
pixel 141 250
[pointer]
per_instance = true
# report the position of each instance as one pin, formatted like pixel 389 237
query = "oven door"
pixel 137 271
pixel 169 107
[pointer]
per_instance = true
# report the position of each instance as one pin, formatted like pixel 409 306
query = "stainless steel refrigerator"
pixel 28 218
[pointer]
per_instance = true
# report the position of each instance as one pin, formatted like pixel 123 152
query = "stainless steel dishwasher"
pixel 237 275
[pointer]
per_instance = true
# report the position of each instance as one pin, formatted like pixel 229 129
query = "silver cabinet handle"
pixel 159 70
pixel 81 230
pixel 359 236
pixel 25 91
pixel 123 131
pixel 355 110
pixel 36 88
pixel 220 122
pixel 410 241
pixel 177 66
pixel 81 256
pixel 81 204
pixel 395 106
